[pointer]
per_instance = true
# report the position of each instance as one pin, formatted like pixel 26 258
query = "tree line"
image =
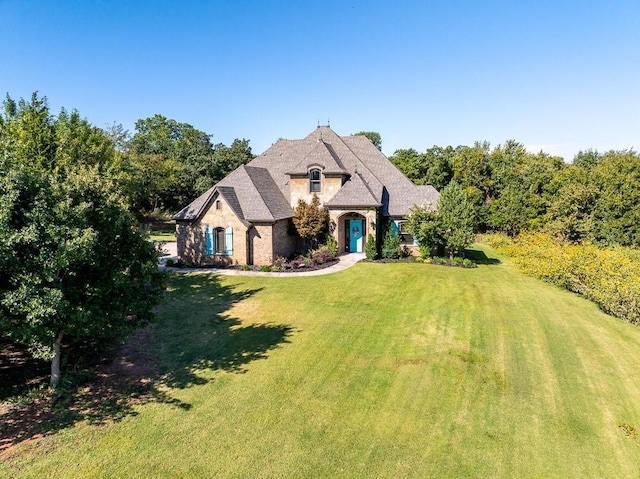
pixel 595 198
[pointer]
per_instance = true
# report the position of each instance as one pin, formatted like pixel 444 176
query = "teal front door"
pixel 356 231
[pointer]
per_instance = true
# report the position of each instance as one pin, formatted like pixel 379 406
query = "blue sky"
pixel 554 75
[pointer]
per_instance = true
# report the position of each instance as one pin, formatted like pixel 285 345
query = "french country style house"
pixel 246 218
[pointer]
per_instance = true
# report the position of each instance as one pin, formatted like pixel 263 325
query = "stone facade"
pixel 339 216
pixel 270 240
pixel 256 202
pixel 191 238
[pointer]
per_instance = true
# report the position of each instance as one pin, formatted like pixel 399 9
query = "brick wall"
pixel 191 241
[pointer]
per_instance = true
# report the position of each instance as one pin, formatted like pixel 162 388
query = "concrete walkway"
pixel 170 252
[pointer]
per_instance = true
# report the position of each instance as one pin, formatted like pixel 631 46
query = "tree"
pixel 374 136
pixel 171 163
pixel 425 226
pixel 311 220
pixel 456 214
pixel 73 266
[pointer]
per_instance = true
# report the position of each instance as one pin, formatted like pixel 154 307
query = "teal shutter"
pixel 209 238
pixel 394 228
pixel 228 241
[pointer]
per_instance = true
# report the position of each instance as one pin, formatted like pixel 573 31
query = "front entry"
pixel 355 235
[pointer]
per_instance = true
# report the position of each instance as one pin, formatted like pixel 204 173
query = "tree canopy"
pixel 171 163
pixel 73 265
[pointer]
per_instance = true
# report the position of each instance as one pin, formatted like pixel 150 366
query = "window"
pixel 219 241
pixel 218 205
pixel 315 183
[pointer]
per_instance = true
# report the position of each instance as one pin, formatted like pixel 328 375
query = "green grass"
pixel 162 236
pixel 383 370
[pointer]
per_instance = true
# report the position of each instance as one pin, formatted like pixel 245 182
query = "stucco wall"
pixel 299 188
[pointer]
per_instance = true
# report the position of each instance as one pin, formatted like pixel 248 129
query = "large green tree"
pixel 73 265
pixel 457 215
pixel 171 163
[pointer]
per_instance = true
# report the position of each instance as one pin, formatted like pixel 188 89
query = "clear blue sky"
pixel 557 75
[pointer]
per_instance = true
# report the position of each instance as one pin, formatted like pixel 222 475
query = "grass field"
pixel 383 370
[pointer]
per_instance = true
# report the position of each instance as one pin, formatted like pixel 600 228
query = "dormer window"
pixel 315 182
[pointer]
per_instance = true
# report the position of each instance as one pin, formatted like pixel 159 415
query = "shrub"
pixel 457 261
pixel 170 262
pixel 321 255
pixel 467 263
pixel 332 246
pixel 245 267
pixel 370 249
pixel 608 277
pixel 265 268
pixel 391 246
pixel 439 260
pixel 297 262
pixel 279 264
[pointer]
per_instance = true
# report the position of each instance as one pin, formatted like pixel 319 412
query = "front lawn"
pixel 382 370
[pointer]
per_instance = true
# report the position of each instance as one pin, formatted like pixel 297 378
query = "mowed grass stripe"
pixel 379 371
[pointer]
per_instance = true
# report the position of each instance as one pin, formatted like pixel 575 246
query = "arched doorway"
pixel 353 234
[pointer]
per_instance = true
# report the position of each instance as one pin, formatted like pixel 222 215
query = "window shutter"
pixel 228 241
pixel 209 240
pixel 394 228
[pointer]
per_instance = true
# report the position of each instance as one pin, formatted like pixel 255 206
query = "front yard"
pixel 382 370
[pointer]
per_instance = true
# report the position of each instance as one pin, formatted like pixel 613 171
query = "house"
pixel 246 218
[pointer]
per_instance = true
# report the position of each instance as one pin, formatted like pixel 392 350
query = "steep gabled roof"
pixel 356 193
pixel 402 192
pixel 250 192
pixel 322 155
pixel 259 191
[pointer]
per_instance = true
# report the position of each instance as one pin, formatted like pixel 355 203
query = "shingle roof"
pixel 322 155
pixel 259 191
pixel 355 193
pixel 249 191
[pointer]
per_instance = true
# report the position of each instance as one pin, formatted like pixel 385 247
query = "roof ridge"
pixel 361 162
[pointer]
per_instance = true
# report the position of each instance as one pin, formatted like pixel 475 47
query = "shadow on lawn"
pixel 195 333
pixel 479 257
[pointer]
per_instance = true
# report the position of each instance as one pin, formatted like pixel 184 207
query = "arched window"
pixel 315 181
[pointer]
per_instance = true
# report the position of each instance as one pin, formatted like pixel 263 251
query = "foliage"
pixel 171 163
pixel 434 167
pixel 332 245
pixel 311 220
pixel 391 245
pixel 73 266
pixel 373 136
pixel 321 255
pixel 456 215
pixel 370 248
pixel 609 277
pixel 424 224
pixel 279 264
pixel 265 268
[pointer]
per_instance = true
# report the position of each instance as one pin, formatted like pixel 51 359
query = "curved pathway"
pixel 170 252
